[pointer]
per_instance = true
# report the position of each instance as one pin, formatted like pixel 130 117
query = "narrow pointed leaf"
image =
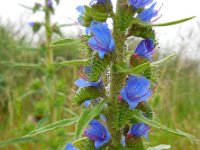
pixel 17 140
pixel 56 125
pixel 159 147
pixel 75 62
pixel 124 68
pixel 165 24
pixel 64 42
pixel 141 118
pixel 163 60
pixel 87 116
pixel 25 65
pixel 173 22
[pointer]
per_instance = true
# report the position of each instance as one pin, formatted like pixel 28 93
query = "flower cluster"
pixel 137 88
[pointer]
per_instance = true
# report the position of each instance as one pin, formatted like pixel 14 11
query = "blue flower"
pixel 70 146
pixel 87 70
pixel 87 103
pixel 140 3
pixel 148 14
pixel 103 117
pixel 137 89
pixel 31 24
pixel 84 83
pixel 139 129
pixel 50 3
pixel 97 133
pixel 81 9
pixel 145 48
pixel 102 41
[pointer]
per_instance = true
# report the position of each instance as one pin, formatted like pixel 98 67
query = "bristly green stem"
pixel 116 79
pixel 50 74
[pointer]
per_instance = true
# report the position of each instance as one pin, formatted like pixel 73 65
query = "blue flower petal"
pixel 80 9
pixel 103 117
pixel 137 89
pixel 140 3
pixel 97 133
pixel 102 40
pixel 101 54
pixel 70 146
pixel 85 83
pixel 87 103
pixel 148 14
pixel 139 129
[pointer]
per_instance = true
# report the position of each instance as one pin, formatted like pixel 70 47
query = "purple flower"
pixel 102 41
pixel 140 3
pixel 81 9
pixel 137 89
pixel 31 24
pixel 87 103
pixel 87 70
pixel 84 83
pixel 139 129
pixel 50 3
pixel 103 117
pixel 97 133
pixel 70 146
pixel 148 14
pixel 145 48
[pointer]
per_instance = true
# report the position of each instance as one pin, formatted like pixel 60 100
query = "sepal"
pixel 84 144
pixel 98 66
pixel 85 94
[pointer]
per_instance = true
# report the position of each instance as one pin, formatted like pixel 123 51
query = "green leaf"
pixel 56 125
pixel 159 147
pixel 124 68
pixel 173 22
pixel 75 62
pixel 14 64
pixel 17 140
pixel 162 60
pixel 140 117
pixel 87 116
pixel 165 24
pixel 64 42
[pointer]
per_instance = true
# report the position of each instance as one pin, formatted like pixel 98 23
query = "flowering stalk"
pixel 123 100
pixel 117 79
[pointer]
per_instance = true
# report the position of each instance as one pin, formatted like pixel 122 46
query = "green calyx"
pixel 98 66
pixel 87 93
pixel 106 7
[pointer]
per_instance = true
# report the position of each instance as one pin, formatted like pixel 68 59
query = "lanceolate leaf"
pixel 59 124
pixel 173 22
pixel 17 140
pixel 64 42
pixel 75 62
pixel 23 65
pixel 141 118
pixel 87 116
pixel 162 60
pixel 167 23
pixel 123 68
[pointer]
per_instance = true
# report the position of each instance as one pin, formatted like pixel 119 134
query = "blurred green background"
pixel 23 100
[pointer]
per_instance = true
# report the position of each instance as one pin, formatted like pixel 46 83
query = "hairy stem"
pixel 116 79
pixel 50 74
